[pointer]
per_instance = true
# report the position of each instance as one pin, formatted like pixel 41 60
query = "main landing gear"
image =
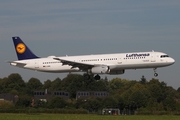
pixel 97 77
pixel 155 73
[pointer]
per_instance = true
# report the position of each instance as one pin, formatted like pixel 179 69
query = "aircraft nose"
pixel 172 61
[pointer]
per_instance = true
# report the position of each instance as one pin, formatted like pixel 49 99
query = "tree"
pixel 110 102
pixel 24 101
pixel 56 84
pixel 73 83
pixel 47 84
pixel 120 101
pixel 137 99
pixel 57 102
pixel 16 78
pixel 136 95
pixel 152 104
pixel 116 83
pixel 13 82
pixel 32 85
pixel 156 90
pixel 130 94
pixel 92 104
pixel 4 85
pixel 169 103
pixel 41 104
pixel 178 89
pixel 143 80
pixel 95 85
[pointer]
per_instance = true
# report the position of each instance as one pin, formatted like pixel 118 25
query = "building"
pixel 88 94
pixel 9 97
pixel 47 95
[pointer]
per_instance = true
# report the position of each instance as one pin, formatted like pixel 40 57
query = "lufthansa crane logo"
pixel 20 48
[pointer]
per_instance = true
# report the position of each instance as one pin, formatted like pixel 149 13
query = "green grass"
pixel 82 117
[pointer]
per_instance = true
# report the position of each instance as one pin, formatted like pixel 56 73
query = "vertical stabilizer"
pixel 22 51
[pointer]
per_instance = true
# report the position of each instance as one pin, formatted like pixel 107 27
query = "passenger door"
pixel 36 64
pixel 153 57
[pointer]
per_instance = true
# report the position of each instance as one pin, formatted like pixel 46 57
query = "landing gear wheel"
pixel 97 77
pixel 155 74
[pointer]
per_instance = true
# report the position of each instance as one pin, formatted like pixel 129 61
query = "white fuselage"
pixel 119 61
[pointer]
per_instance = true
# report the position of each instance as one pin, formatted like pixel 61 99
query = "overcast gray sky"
pixel 77 27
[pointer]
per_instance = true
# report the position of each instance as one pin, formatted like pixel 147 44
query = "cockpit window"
pixel 163 56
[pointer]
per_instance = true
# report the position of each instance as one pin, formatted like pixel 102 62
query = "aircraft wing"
pixel 80 65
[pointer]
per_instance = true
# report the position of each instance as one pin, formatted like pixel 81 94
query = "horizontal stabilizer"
pixel 16 63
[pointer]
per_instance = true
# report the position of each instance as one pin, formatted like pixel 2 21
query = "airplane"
pixel 112 64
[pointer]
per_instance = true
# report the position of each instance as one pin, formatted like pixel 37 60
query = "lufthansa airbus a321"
pixel 91 64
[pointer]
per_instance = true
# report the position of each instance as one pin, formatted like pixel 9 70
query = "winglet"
pixel 22 51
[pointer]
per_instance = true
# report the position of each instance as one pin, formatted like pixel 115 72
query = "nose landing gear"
pixel 155 73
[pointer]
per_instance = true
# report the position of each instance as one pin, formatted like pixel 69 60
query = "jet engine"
pixel 100 70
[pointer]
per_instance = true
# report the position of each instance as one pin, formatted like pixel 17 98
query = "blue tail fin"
pixel 23 52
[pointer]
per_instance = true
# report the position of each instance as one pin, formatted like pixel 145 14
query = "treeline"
pixel 142 96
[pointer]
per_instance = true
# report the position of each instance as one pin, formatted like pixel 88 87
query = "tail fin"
pixel 23 52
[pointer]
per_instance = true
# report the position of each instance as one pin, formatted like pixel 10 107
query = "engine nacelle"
pixel 100 70
pixel 115 72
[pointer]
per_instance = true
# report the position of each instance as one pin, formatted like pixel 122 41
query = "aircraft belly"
pixel 57 68
pixel 141 65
